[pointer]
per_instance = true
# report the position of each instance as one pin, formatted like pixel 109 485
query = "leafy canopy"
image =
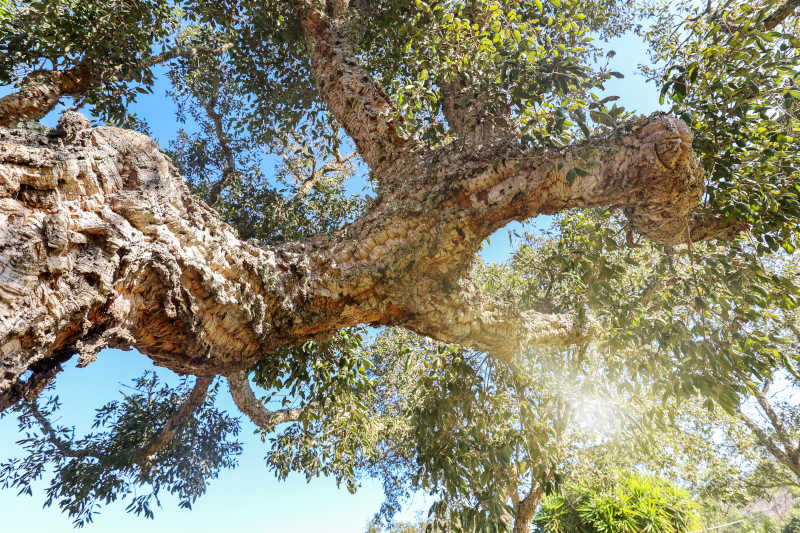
pixel 708 320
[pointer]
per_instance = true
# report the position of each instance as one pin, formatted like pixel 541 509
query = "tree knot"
pixel 70 124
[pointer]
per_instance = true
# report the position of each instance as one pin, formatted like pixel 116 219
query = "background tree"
pixel 792 525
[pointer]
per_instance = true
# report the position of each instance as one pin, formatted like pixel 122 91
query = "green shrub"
pixel 793 524
pixel 629 504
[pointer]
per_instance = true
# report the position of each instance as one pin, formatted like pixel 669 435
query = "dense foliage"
pixel 690 334
pixel 104 466
pixel 631 503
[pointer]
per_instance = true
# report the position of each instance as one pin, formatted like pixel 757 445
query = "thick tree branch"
pixel 525 509
pixel 42 374
pixel 770 22
pixel 362 107
pixel 705 226
pixel 466 106
pixel 101 239
pixel 247 403
pixel 41 90
pixel 466 315
pixel 471 117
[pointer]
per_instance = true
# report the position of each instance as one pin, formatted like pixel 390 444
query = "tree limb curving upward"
pixel 246 401
pixel 102 244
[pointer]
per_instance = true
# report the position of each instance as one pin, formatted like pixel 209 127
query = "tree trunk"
pixel 525 510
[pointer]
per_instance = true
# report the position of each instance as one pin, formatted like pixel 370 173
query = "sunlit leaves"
pixel 706 319
pixel 631 503
pixel 337 433
pixel 102 35
pixel 733 81
pixel 531 60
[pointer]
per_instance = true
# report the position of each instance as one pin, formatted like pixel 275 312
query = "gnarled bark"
pixel 102 244
pixel 525 509
pixel 40 92
pixel 779 15
pixel 359 104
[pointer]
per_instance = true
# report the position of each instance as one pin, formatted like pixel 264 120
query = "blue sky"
pixel 249 498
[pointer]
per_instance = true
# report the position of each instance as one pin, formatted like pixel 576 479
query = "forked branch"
pixel 247 403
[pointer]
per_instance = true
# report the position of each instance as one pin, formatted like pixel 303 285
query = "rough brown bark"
pixel 102 244
pixel 525 509
pixel 363 109
pixel 471 118
pixel 467 107
pixel 40 92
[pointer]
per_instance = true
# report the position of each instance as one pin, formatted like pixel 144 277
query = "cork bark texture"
pixel 102 244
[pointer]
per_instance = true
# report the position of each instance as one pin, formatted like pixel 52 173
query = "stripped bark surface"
pixel 102 244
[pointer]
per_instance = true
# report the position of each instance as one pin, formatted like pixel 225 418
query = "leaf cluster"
pixel 102 467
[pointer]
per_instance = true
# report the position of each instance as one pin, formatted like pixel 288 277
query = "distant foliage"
pixel 630 504
pixel 793 525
